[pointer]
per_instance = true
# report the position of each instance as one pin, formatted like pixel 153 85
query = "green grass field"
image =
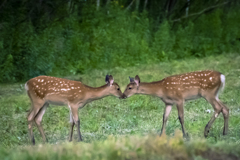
pixel 127 129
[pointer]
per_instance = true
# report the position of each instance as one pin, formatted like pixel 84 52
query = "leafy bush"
pixel 108 38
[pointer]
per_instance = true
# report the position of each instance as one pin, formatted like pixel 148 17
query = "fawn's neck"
pixel 153 88
pixel 96 93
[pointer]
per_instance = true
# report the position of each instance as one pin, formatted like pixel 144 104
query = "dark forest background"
pixel 66 37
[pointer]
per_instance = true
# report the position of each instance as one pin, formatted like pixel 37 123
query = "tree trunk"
pixel 137 4
pixel 187 8
pixel 98 4
pixel 145 4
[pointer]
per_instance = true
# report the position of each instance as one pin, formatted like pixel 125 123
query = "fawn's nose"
pixel 124 96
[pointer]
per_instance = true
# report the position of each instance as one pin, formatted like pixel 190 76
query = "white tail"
pixel 223 82
pixel 179 88
pixel 45 90
pixel 26 86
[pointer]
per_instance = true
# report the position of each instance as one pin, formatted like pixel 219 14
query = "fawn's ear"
pixel 137 80
pixel 109 80
pixel 131 79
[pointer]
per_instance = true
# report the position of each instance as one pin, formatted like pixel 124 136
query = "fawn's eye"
pixel 129 88
pixel 118 89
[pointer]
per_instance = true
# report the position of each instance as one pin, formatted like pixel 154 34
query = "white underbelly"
pixel 192 97
pixel 57 103
pixel 56 100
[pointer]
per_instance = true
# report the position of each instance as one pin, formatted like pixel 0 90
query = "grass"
pixel 113 128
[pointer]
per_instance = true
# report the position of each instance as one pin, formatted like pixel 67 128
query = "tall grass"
pixel 132 147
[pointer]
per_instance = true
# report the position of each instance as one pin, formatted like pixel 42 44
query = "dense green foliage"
pixel 133 122
pixel 58 38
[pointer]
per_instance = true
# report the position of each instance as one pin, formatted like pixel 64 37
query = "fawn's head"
pixel 113 87
pixel 132 87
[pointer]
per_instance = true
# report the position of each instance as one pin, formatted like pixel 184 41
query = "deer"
pixel 177 89
pixel 45 90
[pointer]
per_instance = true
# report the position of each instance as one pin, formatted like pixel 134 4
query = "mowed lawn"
pixel 127 129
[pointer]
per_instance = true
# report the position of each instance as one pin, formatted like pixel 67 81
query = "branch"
pixel 129 6
pixel 201 12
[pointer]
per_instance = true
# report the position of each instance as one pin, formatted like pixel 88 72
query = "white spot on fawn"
pixel 210 78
